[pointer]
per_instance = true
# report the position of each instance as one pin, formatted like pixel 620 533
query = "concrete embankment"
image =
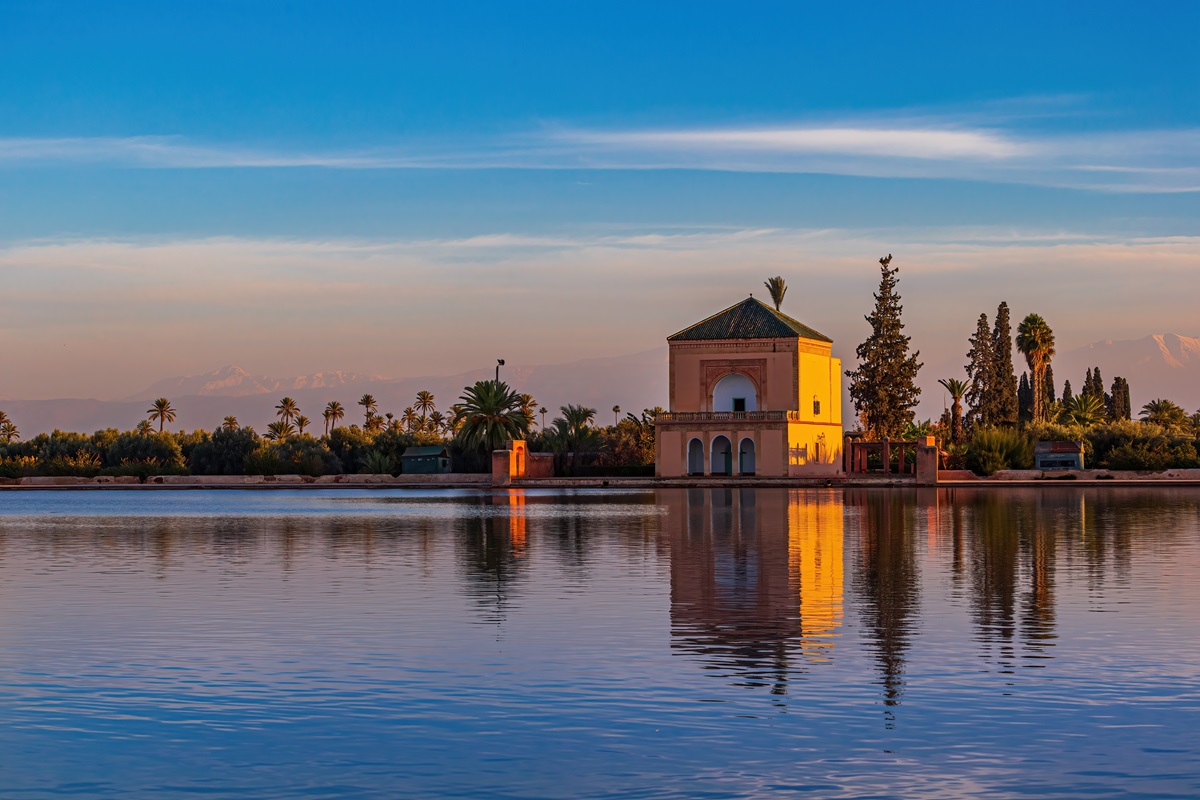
pixel 947 478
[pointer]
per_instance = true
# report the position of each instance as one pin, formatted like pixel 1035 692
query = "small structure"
pixel 752 392
pixel 857 449
pixel 433 460
pixel 515 462
pixel 1058 455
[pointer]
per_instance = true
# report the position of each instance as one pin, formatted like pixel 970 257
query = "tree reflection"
pixel 492 548
pixel 886 580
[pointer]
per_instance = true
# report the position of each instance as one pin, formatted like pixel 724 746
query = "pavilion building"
pixel 752 392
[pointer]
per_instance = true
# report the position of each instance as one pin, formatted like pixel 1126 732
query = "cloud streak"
pixel 1137 161
pixel 109 314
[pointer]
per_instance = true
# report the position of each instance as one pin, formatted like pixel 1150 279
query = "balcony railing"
pixel 728 416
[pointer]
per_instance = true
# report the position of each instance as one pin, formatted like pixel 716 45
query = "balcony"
pixel 728 416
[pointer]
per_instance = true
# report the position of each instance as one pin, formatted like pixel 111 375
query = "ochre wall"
pixel 769 363
pixel 805 459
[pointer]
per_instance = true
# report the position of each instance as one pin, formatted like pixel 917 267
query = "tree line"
pixel 1003 414
pixel 487 414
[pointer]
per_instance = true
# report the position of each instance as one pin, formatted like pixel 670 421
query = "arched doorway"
pixel 695 457
pixel 746 457
pixel 722 456
pixel 735 392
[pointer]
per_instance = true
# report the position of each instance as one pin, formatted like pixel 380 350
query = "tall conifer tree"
pixel 981 372
pixel 1067 394
pixel 1050 398
pixel 884 387
pixel 1004 385
pixel 1024 399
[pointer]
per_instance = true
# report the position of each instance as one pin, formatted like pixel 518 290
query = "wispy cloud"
pixel 946 147
pixel 159 305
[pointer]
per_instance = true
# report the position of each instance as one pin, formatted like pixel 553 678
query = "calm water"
pixel 708 644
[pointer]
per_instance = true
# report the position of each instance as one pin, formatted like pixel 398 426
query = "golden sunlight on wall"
pixel 815 542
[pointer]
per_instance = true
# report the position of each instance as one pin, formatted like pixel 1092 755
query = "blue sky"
pixel 296 187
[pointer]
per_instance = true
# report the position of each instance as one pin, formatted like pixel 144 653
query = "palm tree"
pixel 410 419
pixel 777 286
pixel 1165 413
pixel 302 422
pixel 279 430
pixel 1083 409
pixel 489 414
pixel 424 403
pixel 230 424
pixel 543 412
pixel 368 403
pixel 957 390
pixel 1035 340
pixel 144 428
pixel 574 430
pixel 9 432
pixel 437 422
pixel 287 410
pixel 333 413
pixel 374 422
pixel 528 404
pixel 162 411
pixel 4 418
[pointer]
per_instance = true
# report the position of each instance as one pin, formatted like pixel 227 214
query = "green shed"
pixel 433 460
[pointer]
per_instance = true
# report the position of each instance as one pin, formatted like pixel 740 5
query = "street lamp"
pixel 499 364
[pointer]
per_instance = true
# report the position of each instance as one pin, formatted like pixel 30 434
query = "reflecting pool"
pixel 609 644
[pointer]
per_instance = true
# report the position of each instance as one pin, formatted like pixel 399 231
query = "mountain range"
pixel 1159 365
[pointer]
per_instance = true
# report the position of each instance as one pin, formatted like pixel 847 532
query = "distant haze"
pixel 1160 365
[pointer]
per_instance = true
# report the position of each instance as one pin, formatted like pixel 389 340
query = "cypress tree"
pixel 1004 382
pixel 1098 382
pixel 1049 384
pixel 981 372
pixel 1067 395
pixel 1024 399
pixel 884 388
pixel 1118 405
pixel 1089 385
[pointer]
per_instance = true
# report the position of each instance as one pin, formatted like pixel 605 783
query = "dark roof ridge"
pixel 748 319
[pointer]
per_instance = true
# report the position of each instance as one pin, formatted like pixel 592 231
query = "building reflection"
pixel 756 580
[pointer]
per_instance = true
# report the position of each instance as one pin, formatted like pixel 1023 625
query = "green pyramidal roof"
pixel 749 319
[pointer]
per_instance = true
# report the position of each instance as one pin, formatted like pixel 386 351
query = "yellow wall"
pixel 815 545
pixel 814 449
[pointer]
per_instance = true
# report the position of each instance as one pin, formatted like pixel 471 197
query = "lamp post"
pixel 499 364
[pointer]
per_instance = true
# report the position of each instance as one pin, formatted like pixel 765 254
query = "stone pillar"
pixel 927 466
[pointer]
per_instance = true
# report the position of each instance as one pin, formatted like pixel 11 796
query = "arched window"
pixel 735 392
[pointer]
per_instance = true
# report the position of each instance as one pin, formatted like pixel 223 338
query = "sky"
pixel 418 189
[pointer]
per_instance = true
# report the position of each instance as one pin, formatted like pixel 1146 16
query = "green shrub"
pixel 263 460
pixel 350 444
pixel 378 463
pixel 994 449
pixel 1154 455
pixel 224 453
pixel 83 464
pixel 143 469
pixel 18 466
pixel 304 455
pixel 136 448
